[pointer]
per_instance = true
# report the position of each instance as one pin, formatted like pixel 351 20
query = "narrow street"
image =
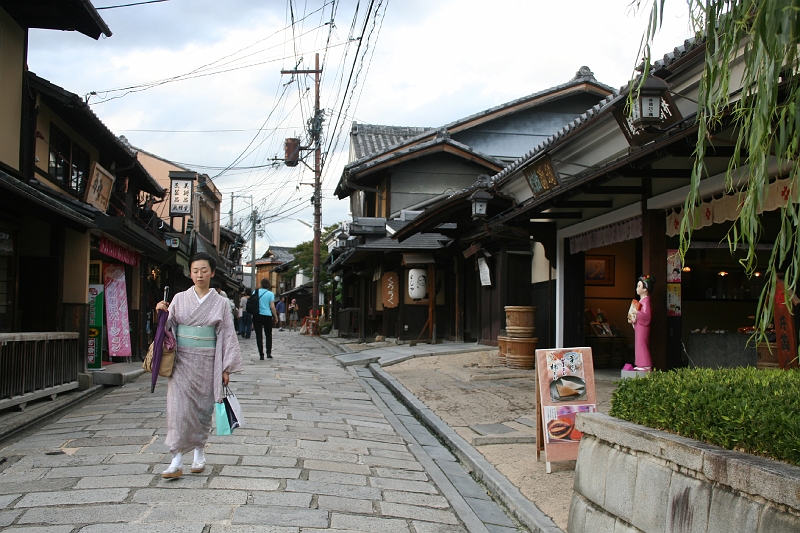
pixel 324 448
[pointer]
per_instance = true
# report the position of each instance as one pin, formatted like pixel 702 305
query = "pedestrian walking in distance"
pixel 246 320
pixel 262 322
pixel 207 353
pixel 281 308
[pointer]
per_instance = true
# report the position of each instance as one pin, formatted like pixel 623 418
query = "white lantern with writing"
pixel 417 283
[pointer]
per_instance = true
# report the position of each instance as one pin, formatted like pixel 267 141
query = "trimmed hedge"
pixel 745 409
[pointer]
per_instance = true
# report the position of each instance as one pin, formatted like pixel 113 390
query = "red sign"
pixel 119 335
pixel 112 249
pixel 785 334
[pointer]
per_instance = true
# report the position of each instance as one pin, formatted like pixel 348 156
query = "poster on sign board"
pixel 565 388
pixel 117 324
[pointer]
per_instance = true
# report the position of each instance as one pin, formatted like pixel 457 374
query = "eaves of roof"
pixel 441 143
pixel 67 15
pixel 80 116
pixel 58 206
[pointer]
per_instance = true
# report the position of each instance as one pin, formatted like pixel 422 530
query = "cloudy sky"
pixel 198 81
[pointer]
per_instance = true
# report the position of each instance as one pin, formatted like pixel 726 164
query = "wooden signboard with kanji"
pixel 98 188
pixel 785 334
pixel 565 387
pixel 390 290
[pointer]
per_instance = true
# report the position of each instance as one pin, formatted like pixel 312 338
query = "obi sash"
pixel 196 336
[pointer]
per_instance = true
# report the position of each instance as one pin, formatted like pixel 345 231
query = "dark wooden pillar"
pixel 574 297
pixel 654 263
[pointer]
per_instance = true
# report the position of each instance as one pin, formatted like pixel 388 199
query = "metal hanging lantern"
pixel 647 106
pixel 480 203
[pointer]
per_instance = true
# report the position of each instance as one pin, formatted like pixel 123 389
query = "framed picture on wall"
pixel 599 270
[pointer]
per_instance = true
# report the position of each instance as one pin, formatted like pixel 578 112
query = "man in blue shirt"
pixel 266 310
pixel 281 307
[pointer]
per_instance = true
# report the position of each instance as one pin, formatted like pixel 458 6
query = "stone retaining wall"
pixel 630 479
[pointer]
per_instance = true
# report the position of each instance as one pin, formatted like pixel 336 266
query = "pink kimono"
pixel 642 334
pixel 196 381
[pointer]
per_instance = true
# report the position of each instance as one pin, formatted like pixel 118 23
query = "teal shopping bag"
pixel 223 426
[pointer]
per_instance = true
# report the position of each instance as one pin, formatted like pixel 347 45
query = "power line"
pixel 133 4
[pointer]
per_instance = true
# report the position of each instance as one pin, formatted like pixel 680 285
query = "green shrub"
pixel 744 409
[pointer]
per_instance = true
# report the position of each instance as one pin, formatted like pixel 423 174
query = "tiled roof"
pixel 370 139
pixel 419 241
pixel 442 138
pixel 689 45
pixel 583 75
pixel 397 224
pixel 280 254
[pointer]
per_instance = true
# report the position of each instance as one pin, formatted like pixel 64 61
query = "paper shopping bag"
pixel 223 426
pixel 234 410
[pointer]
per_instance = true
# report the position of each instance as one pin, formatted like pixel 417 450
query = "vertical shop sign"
pixel 786 336
pixel 180 197
pixel 119 335
pixel 390 285
pixel 94 354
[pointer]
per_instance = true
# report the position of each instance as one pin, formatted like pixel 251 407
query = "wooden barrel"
pixel 520 321
pixel 521 353
pixel 501 349
pixel 767 356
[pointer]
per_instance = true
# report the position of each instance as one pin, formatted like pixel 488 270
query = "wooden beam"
pixel 613 189
pixel 563 215
pixel 656 172
pixel 583 204
pixel 687 150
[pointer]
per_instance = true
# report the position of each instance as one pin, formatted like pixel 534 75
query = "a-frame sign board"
pixel 565 387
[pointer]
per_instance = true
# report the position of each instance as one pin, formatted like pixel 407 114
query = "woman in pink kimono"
pixel 641 324
pixel 207 353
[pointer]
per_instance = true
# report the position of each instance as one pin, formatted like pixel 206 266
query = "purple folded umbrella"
pixel 158 346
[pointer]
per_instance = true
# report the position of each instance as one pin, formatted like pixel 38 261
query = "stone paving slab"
pixel 321 451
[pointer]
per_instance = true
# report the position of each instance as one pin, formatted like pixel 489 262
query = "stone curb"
pixel 7 430
pixel 498 485
pixel 772 480
pixel 393 359
pixel 118 374
pixel 457 502
pixel 485 440
pixel 354 359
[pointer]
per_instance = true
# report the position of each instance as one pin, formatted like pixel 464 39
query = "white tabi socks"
pixel 175 468
pixel 199 463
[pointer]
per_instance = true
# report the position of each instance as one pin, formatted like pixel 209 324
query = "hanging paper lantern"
pixel 417 283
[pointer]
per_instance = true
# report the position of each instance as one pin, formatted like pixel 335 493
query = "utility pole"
pixel 254 220
pixel 315 131
pixel 230 215
pixel 253 251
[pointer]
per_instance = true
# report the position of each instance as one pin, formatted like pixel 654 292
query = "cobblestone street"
pixel 324 448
